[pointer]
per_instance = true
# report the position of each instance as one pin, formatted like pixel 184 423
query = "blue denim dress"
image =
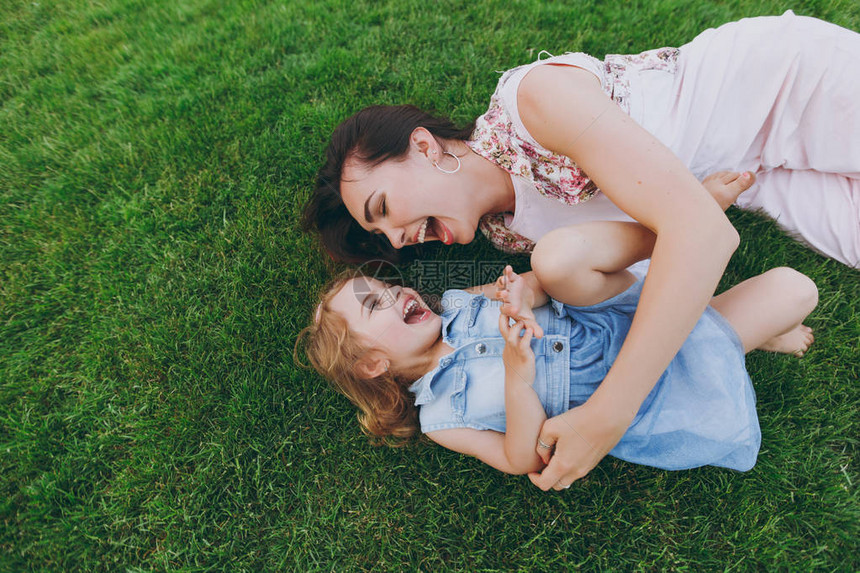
pixel 700 412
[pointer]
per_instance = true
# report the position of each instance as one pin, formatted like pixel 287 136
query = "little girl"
pixel 481 378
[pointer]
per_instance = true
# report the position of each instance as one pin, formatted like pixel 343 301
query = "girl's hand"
pixel 518 356
pixel 518 300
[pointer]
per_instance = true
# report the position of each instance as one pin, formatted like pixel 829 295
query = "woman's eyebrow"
pixel 367 214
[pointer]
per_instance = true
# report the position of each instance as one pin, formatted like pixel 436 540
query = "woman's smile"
pixel 437 229
pixel 411 202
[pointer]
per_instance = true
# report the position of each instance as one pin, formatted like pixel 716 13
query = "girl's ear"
pixel 371 365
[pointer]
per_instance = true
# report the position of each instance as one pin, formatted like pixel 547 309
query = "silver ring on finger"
pixel 543 445
pixel 558 483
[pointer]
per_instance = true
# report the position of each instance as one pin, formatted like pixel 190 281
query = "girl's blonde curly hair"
pixel 387 408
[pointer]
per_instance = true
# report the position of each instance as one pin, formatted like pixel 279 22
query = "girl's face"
pixel 410 200
pixel 391 320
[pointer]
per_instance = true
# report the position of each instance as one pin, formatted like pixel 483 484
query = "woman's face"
pixel 410 201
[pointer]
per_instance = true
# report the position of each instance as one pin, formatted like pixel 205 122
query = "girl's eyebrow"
pixel 364 303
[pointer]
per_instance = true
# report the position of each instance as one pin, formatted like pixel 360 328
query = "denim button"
pixel 558 346
pixel 480 348
pixel 445 362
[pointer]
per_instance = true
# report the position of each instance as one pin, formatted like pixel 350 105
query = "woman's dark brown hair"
pixel 371 136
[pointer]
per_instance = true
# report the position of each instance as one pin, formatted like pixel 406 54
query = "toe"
pixel 741 182
pixel 727 176
pixel 746 180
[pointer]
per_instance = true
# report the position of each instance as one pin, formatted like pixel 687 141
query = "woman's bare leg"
pixel 767 311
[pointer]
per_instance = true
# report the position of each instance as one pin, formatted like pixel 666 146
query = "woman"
pixel 640 129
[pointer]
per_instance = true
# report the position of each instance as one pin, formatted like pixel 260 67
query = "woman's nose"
pixel 396 236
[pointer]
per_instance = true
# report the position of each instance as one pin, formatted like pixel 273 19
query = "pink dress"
pixel 779 96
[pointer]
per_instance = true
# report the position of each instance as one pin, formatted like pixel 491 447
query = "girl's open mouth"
pixel 413 313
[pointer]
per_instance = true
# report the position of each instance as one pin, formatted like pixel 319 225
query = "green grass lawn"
pixel 154 158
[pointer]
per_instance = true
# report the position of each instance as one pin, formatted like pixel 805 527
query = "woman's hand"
pixel 517 355
pixel 581 437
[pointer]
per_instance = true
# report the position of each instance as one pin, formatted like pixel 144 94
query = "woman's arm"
pixel 566 111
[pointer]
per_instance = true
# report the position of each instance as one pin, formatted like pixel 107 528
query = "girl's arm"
pixel 486 445
pixel 566 111
pixel 514 451
pixel 524 413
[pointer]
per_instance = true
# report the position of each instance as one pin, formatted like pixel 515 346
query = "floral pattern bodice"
pixel 497 138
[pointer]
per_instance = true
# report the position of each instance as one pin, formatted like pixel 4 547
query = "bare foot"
pixel 725 186
pixel 517 299
pixel 796 341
